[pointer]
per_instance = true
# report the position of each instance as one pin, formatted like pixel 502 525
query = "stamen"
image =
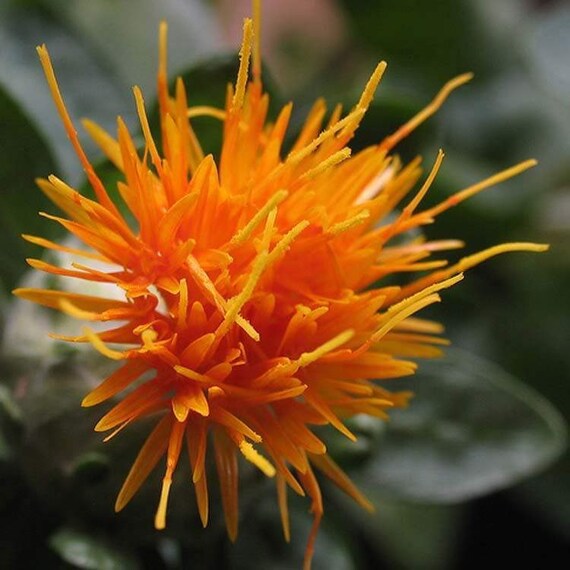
pixel 409 209
pixel 298 155
pixel 483 185
pixel 162 78
pixel 244 56
pixel 149 337
pixel 70 309
pixel 253 456
pixel 163 49
pixel 469 262
pixel 472 260
pixel 348 224
pixel 206 111
pixel 391 141
pixel 286 241
pixel 371 86
pixel 203 281
pixel 308 357
pixel 259 265
pixel 242 235
pixel 410 305
pixel 400 225
pixel 331 161
pixel 101 347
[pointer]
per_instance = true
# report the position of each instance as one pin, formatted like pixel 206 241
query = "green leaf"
pixel 123 36
pixel 261 532
pixel 89 88
pixel 430 36
pixel 89 552
pixel 415 536
pixel 24 156
pixel 471 429
pixel 99 50
pixel 407 536
pixel 91 467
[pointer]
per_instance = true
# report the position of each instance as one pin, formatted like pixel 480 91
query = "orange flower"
pixel 253 287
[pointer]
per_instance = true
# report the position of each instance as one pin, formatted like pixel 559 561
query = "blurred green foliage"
pixel 25 155
pixel 471 430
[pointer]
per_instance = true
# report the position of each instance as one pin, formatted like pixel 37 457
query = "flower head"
pixel 254 304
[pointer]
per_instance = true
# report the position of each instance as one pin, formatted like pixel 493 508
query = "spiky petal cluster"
pixel 251 286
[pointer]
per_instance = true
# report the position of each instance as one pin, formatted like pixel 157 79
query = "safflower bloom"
pixel 253 299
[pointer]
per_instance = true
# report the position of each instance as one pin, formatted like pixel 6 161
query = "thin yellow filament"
pixel 392 140
pixel 350 223
pixel 483 185
pixel 253 456
pixel 399 225
pixel 208 288
pixel 329 162
pixel 401 315
pixel 244 57
pixel 162 75
pixel 371 86
pixel 286 241
pixel 206 111
pixel 163 49
pixel 410 208
pixel 471 261
pixel 242 235
pixel 400 311
pixel 308 357
pixel 259 265
pixel 101 347
pixel 70 309
pixel 298 155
